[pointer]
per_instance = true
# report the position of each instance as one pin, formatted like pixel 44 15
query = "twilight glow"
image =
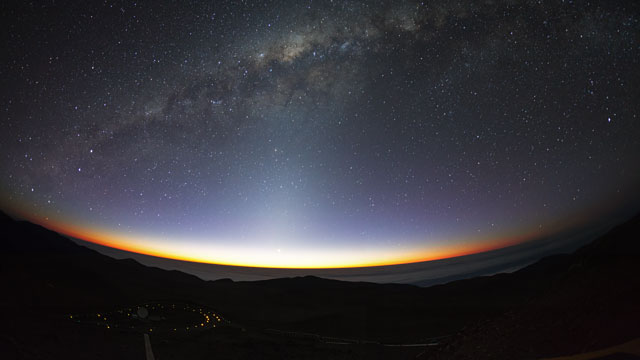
pixel 319 134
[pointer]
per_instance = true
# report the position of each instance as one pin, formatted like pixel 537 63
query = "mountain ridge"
pixel 49 274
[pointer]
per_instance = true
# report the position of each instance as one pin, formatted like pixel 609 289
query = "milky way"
pixel 319 133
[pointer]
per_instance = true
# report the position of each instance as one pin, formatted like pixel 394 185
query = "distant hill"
pixel 588 300
pixel 424 273
pixel 560 305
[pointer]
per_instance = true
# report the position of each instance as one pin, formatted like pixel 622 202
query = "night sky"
pixel 319 134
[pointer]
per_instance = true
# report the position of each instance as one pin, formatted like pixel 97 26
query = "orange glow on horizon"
pixel 381 258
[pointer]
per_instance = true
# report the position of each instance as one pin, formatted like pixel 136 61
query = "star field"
pixel 310 134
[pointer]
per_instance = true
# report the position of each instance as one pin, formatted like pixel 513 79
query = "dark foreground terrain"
pixel 63 301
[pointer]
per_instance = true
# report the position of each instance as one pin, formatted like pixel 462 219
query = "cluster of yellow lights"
pixel 208 318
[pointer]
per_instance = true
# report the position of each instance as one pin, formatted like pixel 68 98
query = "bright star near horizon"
pixel 347 133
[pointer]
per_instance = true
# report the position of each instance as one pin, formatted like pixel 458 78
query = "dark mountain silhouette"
pixel 563 304
pixel 589 300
